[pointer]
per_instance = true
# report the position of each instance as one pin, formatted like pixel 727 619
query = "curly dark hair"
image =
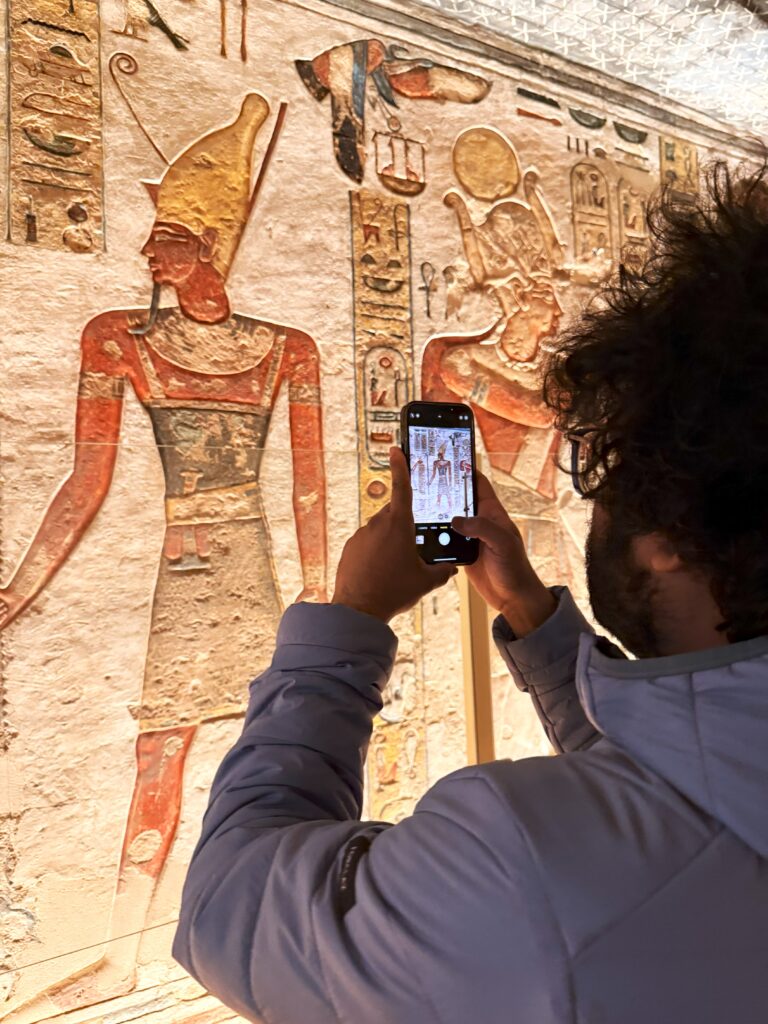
pixel 670 366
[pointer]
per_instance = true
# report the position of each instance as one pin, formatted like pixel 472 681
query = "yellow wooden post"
pixel 476 652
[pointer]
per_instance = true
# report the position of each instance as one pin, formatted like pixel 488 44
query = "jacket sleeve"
pixel 543 664
pixel 295 911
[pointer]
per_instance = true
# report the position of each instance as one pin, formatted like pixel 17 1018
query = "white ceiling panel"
pixel 711 55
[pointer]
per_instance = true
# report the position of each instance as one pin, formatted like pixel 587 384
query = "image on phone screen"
pixel 441 473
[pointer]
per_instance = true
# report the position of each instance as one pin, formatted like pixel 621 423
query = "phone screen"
pixel 441 453
pixel 441 473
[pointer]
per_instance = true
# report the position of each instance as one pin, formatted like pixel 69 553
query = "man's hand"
pixel 502 573
pixel 380 571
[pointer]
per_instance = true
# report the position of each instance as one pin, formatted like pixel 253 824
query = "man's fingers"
pixel 382 513
pixel 488 501
pixel 440 574
pixel 401 486
pixel 484 529
pixel 484 487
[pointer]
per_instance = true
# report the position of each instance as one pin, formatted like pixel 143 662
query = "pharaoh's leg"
pixel 152 822
pixel 150 831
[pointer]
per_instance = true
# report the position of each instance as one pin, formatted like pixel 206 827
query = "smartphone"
pixel 439 444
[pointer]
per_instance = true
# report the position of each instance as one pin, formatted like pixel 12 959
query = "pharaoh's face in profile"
pixel 536 318
pixel 174 252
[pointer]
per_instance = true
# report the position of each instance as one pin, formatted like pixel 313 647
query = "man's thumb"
pixel 440 574
pixel 461 524
pixel 483 529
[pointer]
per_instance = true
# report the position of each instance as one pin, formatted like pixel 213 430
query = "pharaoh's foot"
pixel 106 978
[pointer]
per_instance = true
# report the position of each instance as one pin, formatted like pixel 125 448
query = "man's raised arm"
pixel 538 630
pixel 296 911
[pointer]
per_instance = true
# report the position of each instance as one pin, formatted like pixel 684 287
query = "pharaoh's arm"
pixel 433 387
pixel 99 407
pixel 302 368
pixel 472 380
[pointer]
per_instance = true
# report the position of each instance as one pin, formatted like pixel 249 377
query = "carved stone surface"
pixel 54 121
pixel 223 382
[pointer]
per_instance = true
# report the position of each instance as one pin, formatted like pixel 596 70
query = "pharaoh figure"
pixel 512 253
pixel 209 379
pixel 442 468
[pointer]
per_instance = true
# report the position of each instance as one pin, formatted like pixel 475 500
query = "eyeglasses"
pixel 579 442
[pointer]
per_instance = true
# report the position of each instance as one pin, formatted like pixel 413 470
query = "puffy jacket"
pixel 623 882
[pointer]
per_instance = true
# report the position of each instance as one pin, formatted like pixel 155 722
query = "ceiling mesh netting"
pixel 711 55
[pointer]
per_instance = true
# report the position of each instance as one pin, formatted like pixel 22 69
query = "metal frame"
pixel 476 659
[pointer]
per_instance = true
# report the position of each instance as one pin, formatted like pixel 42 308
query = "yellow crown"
pixel 209 184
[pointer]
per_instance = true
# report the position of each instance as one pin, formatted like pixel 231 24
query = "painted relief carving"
pixel 630 134
pixel 587 119
pixel 536 116
pixel 188 384
pixel 140 16
pixel 397 764
pixel 383 347
pixel 428 286
pixel 485 164
pixel 121 64
pixel 381 257
pixel 513 255
pixel 633 225
pixel 592 229
pixel 208 379
pixel 243 28
pixel 538 97
pixel 679 164
pixel 55 190
pixel 344 73
pixel 400 162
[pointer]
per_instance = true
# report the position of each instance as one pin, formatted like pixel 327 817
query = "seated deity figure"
pixel 513 254
pixel 209 379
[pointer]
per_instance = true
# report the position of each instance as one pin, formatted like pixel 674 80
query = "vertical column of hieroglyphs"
pixel 679 165
pixel 381 261
pixel 383 345
pixel 370 86
pixel 55 184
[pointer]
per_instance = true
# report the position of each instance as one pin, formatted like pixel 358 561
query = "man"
pixel 625 881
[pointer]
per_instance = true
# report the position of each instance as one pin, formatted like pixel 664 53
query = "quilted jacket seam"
pixel 506 800
pixel 669 880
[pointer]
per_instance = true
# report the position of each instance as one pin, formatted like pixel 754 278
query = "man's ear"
pixel 209 241
pixel 655 552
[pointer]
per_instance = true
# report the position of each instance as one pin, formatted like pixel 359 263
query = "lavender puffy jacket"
pixel 623 882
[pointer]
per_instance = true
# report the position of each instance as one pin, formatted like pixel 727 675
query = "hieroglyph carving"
pixel 678 164
pixel 140 16
pixel 633 225
pixel 592 232
pixel 485 165
pixel 344 72
pixel 55 186
pixel 512 253
pixel 381 258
